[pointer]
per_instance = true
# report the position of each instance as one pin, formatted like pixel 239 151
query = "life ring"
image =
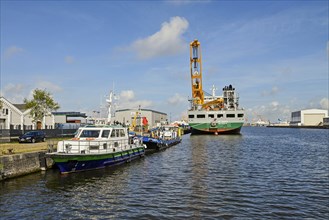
pixel 213 124
pixel 136 140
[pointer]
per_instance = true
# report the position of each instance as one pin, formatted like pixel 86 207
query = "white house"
pixel 16 116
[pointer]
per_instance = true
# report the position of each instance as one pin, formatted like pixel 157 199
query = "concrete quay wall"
pixel 21 164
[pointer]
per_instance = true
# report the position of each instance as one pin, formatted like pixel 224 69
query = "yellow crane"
pixel 196 73
pixel 196 78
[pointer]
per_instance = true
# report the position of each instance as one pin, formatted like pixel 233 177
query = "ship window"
pixel 105 133
pixel 211 116
pixel 201 116
pixel 122 133
pixel 113 133
pixel 190 116
pixel 220 115
pixel 240 115
pixel 230 115
pixel 90 133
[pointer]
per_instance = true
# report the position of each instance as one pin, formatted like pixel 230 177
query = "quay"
pixel 14 165
pixel 293 126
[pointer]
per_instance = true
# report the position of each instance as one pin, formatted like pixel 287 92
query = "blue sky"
pixel 275 53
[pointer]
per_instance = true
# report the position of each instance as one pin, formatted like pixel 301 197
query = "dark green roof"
pixel 142 109
pixel 71 114
pixel 21 107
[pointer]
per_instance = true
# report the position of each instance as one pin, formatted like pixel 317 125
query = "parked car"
pixel 32 136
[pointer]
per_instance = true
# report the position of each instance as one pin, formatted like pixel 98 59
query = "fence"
pixel 6 135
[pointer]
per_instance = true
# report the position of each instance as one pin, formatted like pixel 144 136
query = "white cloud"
pixel 274 104
pixel 127 95
pixel 271 112
pixel 177 99
pixel 15 93
pixel 49 86
pixel 272 92
pixel 69 59
pixel 167 41
pixel 324 103
pixel 12 51
pixel 127 100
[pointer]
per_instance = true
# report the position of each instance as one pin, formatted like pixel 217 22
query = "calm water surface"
pixel 265 173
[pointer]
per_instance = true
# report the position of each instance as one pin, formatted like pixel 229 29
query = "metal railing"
pixel 96 146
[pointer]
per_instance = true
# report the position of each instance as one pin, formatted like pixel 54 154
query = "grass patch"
pixel 17 148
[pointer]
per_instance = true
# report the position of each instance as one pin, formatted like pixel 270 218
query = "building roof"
pixel 21 107
pixel 142 109
pixel 71 114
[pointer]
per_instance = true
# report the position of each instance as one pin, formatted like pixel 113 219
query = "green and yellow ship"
pixel 211 113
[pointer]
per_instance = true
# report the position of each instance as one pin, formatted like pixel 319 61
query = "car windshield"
pixel 31 133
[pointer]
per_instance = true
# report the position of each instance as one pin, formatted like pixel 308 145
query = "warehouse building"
pixel 308 117
pixel 128 116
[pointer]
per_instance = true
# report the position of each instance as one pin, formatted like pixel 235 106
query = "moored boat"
pixel 162 137
pixel 211 113
pixel 95 147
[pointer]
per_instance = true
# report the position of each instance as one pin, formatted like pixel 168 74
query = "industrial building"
pixel 128 116
pixel 308 117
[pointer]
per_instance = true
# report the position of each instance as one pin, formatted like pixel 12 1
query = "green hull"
pixel 230 127
pixel 60 158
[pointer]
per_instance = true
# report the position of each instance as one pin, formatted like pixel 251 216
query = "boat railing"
pixel 96 146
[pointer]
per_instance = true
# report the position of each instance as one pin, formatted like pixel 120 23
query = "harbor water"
pixel 264 173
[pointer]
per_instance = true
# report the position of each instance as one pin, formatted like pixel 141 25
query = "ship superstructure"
pixel 211 113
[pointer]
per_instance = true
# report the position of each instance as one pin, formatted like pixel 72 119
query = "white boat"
pixel 96 147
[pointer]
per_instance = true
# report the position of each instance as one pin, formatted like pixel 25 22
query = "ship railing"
pixel 96 146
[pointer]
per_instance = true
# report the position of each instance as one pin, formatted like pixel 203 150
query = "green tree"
pixel 42 104
pixel 1 104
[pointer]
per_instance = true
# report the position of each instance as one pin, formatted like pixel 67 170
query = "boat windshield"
pixel 89 134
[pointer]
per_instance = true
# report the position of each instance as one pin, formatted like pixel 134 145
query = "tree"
pixel 41 105
pixel 1 104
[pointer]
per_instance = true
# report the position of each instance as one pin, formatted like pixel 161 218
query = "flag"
pixel 145 122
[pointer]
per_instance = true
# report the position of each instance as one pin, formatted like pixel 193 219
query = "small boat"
pixel 163 137
pixel 96 146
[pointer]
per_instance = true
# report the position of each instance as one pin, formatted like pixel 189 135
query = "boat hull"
pixel 154 144
pixel 68 163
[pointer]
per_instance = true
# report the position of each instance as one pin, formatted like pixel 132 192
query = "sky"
pixel 275 53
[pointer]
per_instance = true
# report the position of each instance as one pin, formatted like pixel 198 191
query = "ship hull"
pixel 68 163
pixel 207 128
pixel 216 122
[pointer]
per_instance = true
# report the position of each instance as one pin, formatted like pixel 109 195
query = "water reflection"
pixel 199 175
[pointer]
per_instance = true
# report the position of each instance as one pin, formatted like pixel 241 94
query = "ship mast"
pixel 196 73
